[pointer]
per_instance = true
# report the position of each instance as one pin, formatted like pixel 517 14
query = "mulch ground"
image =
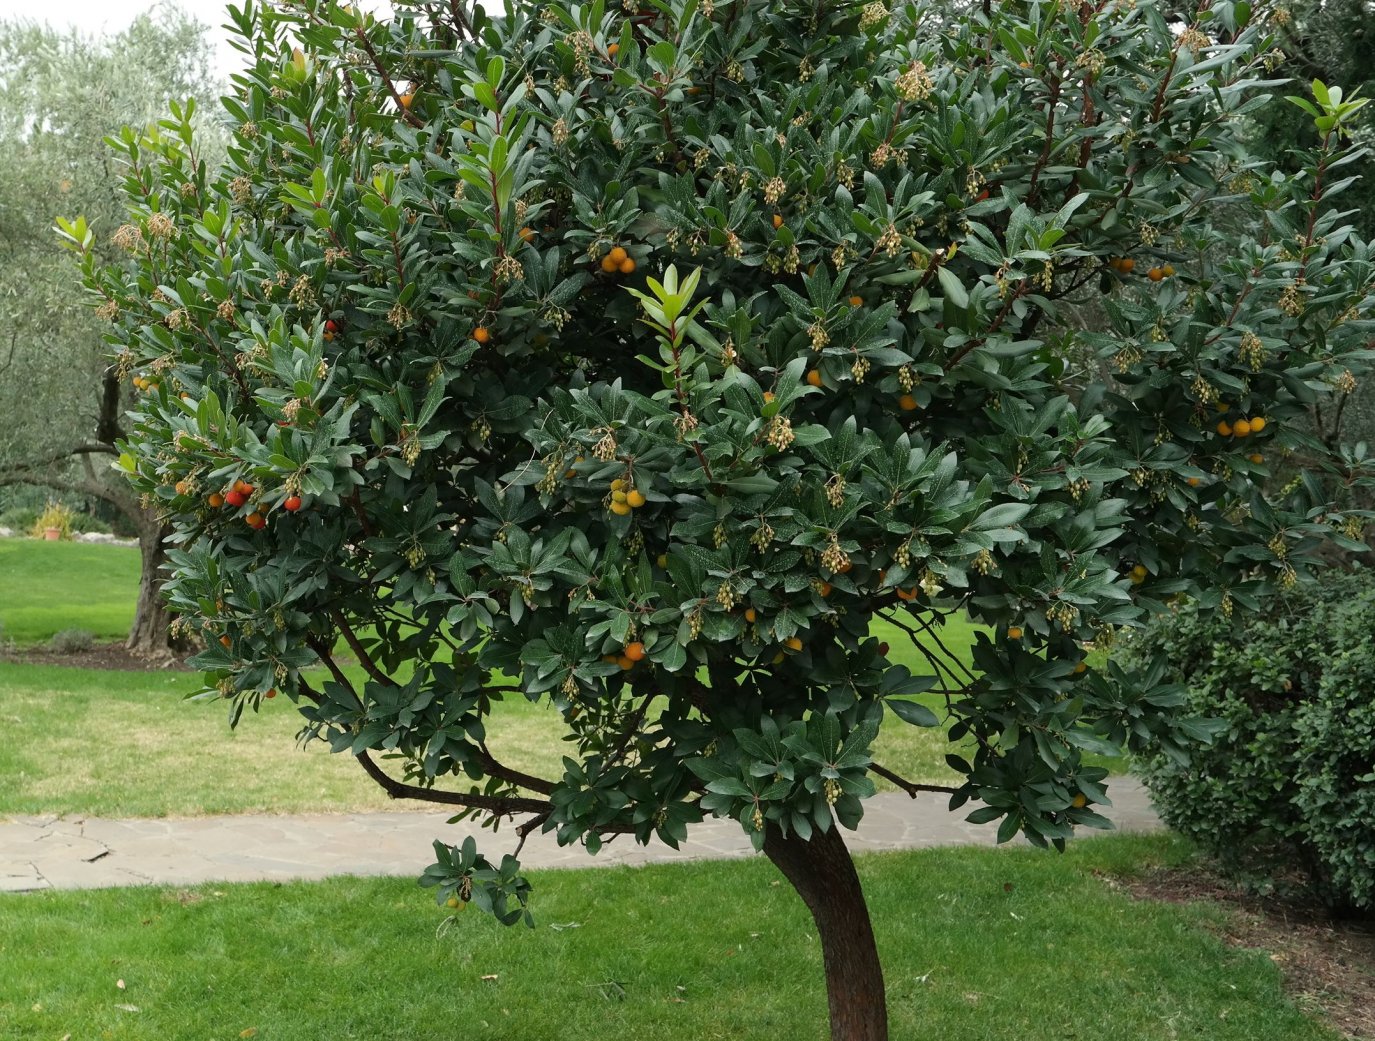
pixel 1328 965
pixel 99 656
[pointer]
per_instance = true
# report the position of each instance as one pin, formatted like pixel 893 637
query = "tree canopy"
pixel 634 361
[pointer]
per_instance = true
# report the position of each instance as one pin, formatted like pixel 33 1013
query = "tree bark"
pixel 150 636
pixel 822 872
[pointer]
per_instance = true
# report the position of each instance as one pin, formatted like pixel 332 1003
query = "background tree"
pixel 61 404
pixel 635 362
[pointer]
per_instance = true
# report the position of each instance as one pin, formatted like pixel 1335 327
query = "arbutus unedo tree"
pixel 635 361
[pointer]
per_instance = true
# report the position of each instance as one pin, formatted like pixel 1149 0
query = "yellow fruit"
pixel 1241 428
pixel 617 255
pixel 778 658
pixel 1256 458
pixel 1258 424
pixel 814 378
pixel 1139 571
pixel 662 561
pixel 793 643
pixel 768 396
pixel 453 901
pixel 620 509
pixel 1080 801
pixel 1224 428
pixel 610 266
pixel 618 485
pixel 619 497
pixel 627 266
pixel 1168 270
pixel 777 220
pixel 1014 632
pixel 1080 668
pixel 635 498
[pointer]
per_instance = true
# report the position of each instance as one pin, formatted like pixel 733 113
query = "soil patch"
pixel 1328 965
pixel 99 656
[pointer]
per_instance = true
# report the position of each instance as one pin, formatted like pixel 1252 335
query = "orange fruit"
pixel 1241 428
pixel 1256 458
pixel 777 221
pixel 1080 668
pixel 768 396
pixel 609 265
pixel 1155 274
pixel 620 509
pixel 856 301
pixel 751 615
pixel 635 651
pixel 482 334
pixel 1128 265
pixel 225 641
pixel 793 643
pixel 907 594
pixel 814 378
pixel 824 588
pixel 271 694
pixel 1258 424
pixel 634 498
pixel 1014 632
pixel 612 49
pixel 1224 428
pixel 617 255
pixel 627 265
pixel 907 403
pixel 256 521
pixel 215 500
pixel 406 100
pixel 625 663
pixel 1194 482
pixel 528 234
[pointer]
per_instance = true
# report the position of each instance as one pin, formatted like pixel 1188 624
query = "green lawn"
pixel 978 944
pixel 46 587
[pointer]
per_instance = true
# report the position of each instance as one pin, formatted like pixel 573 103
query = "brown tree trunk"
pixel 150 636
pixel 822 872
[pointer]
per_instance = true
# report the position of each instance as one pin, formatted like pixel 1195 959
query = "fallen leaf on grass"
pixel 249 1032
pixel 119 984
pixel 127 1008
pixel 490 979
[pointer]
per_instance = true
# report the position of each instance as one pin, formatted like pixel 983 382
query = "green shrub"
pixel 72 641
pixel 20 518
pixel 1286 792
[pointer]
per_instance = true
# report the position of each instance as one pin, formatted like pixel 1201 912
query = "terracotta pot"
pixel 52 534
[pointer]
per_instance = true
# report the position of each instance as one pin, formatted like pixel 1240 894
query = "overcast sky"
pixel 98 16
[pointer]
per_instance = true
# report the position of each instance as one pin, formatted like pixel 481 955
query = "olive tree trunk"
pixel 823 873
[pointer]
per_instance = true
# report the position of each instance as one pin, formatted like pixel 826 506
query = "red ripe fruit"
pixel 256 521
pixel 236 498
pixel 883 648
pixel 291 503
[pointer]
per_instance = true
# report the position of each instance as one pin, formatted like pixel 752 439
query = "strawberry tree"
pixel 635 359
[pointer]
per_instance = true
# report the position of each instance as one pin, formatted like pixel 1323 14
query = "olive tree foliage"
pixel 633 361
pixel 61 93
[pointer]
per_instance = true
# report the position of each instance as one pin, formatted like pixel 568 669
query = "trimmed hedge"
pixel 1286 792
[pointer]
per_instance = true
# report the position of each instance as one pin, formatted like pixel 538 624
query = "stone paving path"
pixel 82 853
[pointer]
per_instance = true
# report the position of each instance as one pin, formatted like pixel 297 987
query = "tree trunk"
pixel 822 872
pixel 150 636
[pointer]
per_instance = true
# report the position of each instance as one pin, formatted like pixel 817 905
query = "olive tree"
pixel 61 404
pixel 634 359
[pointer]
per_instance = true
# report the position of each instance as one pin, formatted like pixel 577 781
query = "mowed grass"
pixel 977 944
pixel 46 587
